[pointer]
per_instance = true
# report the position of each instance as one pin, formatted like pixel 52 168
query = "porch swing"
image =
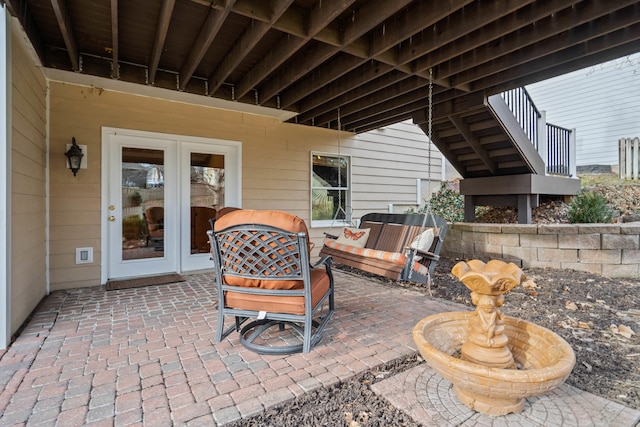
pixel 401 247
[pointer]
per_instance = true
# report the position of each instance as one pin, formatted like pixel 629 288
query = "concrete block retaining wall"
pixel 611 250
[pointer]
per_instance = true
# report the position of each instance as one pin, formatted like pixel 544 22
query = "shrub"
pixel 589 207
pixel 448 204
pixel 134 227
pixel 135 199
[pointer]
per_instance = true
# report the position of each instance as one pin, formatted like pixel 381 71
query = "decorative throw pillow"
pixel 354 237
pixel 423 241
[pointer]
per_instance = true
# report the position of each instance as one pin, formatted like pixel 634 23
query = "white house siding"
pixel 600 102
pixel 29 221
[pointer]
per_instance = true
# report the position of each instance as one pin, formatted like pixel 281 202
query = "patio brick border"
pixel 611 250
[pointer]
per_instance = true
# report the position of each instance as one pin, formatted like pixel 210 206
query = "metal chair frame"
pixel 261 252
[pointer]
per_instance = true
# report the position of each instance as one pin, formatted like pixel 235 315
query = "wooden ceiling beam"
pixel 292 21
pixel 61 12
pixel 245 43
pixel 208 32
pixel 415 104
pixel 366 18
pixel 376 94
pixel 283 50
pixel 378 121
pixel 162 26
pixel 569 43
pixel 21 10
pixel 391 107
pixel 550 32
pixel 578 64
pixel 623 42
pixel 458 24
pixel 383 40
pixel 321 16
pixel 355 79
pixel 324 13
pixel 419 17
pixel 506 25
pixel 450 104
pixel 336 67
pixel 115 72
pixel 372 14
pixel 297 68
pixel 375 12
pixel 382 123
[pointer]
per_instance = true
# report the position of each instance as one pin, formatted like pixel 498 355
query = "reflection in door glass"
pixel 207 195
pixel 142 203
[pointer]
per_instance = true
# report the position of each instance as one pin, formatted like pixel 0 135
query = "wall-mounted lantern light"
pixel 74 155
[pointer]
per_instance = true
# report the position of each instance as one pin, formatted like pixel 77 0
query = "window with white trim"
pixel 330 189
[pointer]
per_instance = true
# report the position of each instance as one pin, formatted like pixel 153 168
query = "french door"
pixel 159 193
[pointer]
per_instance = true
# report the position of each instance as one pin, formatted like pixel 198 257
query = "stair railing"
pixel 521 105
pixel 559 143
pixel 558 147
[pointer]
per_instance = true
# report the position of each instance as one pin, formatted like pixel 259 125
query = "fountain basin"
pixel 543 358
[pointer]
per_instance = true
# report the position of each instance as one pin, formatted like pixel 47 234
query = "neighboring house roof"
pixel 600 102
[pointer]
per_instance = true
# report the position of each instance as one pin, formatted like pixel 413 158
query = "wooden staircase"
pixel 493 151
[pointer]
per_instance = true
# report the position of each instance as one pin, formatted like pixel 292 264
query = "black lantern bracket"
pixel 76 156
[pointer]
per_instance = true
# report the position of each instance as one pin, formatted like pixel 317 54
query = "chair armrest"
pixel 428 255
pixel 327 260
pixel 424 254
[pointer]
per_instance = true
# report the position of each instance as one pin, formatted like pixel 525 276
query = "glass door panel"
pixel 206 196
pixel 143 200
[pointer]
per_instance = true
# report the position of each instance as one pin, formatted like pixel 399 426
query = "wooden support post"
pixel 524 209
pixel 526 202
pixel 469 209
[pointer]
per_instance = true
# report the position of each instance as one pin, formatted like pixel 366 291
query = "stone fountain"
pixel 493 361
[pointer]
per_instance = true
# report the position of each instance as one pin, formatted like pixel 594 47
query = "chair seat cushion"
pixel 398 257
pixel 281 304
pixel 392 257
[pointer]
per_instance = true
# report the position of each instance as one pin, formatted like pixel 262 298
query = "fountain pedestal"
pixel 486 343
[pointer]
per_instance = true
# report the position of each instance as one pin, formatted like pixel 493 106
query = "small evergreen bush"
pixel 589 207
pixel 448 204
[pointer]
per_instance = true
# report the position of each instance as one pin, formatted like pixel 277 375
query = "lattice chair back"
pixel 262 254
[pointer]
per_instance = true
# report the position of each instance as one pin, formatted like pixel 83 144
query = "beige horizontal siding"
pixel 28 193
pixel 276 162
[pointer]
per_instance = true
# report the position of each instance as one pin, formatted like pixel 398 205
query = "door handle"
pixel 112 218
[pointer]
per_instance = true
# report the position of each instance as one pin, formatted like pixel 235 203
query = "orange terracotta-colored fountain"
pixel 493 361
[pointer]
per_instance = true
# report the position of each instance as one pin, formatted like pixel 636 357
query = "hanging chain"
pixel 430 125
pixel 428 211
pixel 339 169
pixel 347 217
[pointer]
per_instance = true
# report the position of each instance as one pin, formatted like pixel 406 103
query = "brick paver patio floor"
pixel 148 356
